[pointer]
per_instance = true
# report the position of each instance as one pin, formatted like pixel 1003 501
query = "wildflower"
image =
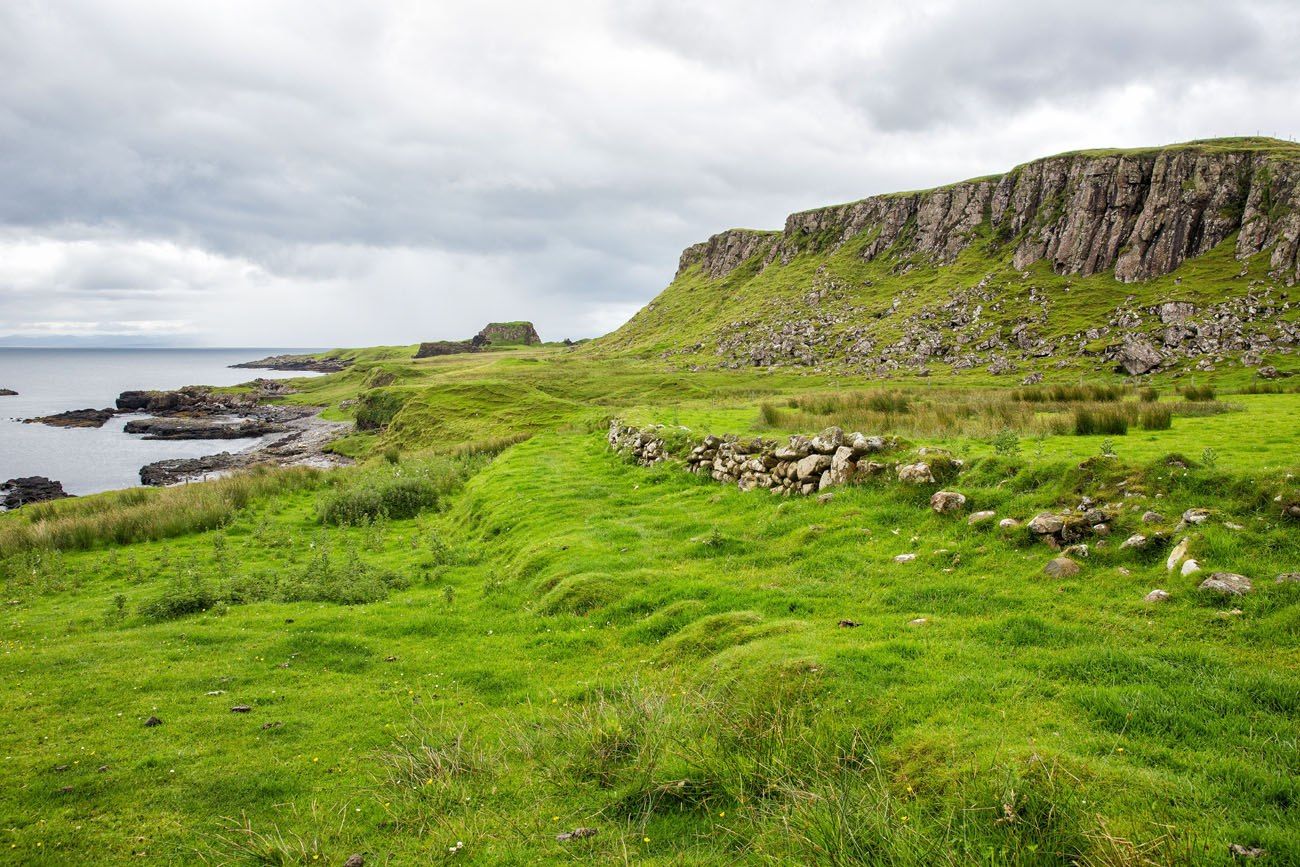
pixel 645 839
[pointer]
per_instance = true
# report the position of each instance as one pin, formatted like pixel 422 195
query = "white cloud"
pixel 338 173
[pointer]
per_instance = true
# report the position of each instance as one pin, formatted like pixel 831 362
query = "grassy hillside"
pixel 557 639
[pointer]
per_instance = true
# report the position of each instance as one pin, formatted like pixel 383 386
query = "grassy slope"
pixel 574 572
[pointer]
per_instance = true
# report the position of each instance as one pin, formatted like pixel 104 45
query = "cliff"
pixel 1136 214
pixel 1140 260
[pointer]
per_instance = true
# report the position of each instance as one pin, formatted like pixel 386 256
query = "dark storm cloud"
pixel 331 172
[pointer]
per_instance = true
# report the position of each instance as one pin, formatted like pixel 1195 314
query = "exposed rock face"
pixel 725 251
pixel 1136 215
pixel 298 362
pixel 31 489
pixel 509 332
pixel 74 418
pixel 1137 357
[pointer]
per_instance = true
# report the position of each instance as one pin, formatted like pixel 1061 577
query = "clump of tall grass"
pixel 1069 393
pixel 376 500
pixel 1092 420
pixel 1155 418
pixel 1148 395
pixel 144 514
pixel 1197 392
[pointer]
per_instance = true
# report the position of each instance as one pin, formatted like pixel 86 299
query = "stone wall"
pixel 803 465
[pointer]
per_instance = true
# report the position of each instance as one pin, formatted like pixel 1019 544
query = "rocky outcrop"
pixel 509 333
pixel 200 428
pixel 725 251
pixel 1137 215
pixel 32 489
pixel 7 392
pixel 303 444
pixel 309 363
pixel 434 348
pixel 74 418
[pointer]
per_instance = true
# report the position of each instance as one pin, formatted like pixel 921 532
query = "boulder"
pixel 981 517
pixel 1008 523
pixel 1288 578
pixel 1046 524
pixel 1190 567
pixel 1137 357
pixel 1136 542
pixel 1157 596
pixel 915 474
pixel 864 445
pixel 1061 567
pixel 945 502
pixel 1150 517
pixel 1227 584
pixel 1196 516
pixel 904 558
pixel 842 466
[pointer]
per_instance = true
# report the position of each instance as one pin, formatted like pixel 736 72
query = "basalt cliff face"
pixel 1138 216
pixel 1137 260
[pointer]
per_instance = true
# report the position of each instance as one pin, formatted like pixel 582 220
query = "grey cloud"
pixel 405 169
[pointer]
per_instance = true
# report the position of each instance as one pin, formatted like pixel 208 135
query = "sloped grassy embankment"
pixel 570 641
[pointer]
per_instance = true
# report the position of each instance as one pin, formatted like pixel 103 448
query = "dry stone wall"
pixel 803 465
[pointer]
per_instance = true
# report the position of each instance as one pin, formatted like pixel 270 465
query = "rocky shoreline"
pixel 202 413
pixel 306 363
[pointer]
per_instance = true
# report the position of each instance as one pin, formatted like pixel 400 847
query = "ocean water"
pixel 89 460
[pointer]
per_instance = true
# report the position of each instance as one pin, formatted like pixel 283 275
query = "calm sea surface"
pixel 90 460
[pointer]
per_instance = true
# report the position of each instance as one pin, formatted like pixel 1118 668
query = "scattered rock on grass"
pixel 1152 518
pixel 1008 523
pixel 152 721
pixel 849 624
pixel 904 558
pixel 920 621
pixel 355 860
pixel 1289 578
pixel 981 517
pixel 1157 595
pixel 1137 542
pixel 241 708
pixel 1237 850
pixel 1190 567
pixel 1061 567
pixel 1046 525
pixel 944 502
pixel 1227 584
pixel 1177 555
pixel 915 474
pixel 1196 516
pixel 575 834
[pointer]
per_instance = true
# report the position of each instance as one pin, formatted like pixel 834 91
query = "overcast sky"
pixel 320 173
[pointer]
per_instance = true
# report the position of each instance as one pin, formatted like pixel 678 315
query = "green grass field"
pixel 559 639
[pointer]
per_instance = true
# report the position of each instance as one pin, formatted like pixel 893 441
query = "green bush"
pixel 375 409
pixel 374 499
pixel 182 597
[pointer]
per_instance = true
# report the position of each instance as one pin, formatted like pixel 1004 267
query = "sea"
pixel 88 460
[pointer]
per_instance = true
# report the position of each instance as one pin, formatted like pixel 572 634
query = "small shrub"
pixel 183 597
pixel 370 501
pixel 375 409
pixel 1210 458
pixel 1007 442
pixel 393 455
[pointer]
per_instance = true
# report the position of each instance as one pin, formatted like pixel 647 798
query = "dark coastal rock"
pixel 175 470
pixel 7 392
pixel 74 418
pixel 194 400
pixel 200 428
pixel 31 489
pixel 308 363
